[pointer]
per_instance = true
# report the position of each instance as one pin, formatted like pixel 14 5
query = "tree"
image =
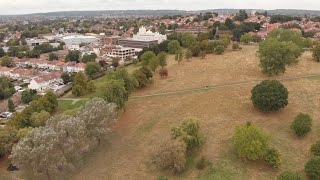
pixel 250 142
pixel 269 95
pixel 315 149
pixel 141 76
pixel 179 56
pixel 6 61
pixel 80 84
pixel 8 137
pixel 219 49
pixel 2 53
pixel 203 36
pixel 196 50
pixel 188 132
pixel 53 56
pixel 73 56
pixel 114 91
pixel 154 63
pixel 51 151
pixel 146 57
pixel 188 40
pixel 246 38
pixel 11 105
pixel 173 46
pixel 28 95
pixel 146 71
pixel 92 68
pixel 89 57
pixel 288 175
pixel 226 39
pixel 302 124
pixel 272 157
pixel 235 46
pixel 188 54
pixel 312 168
pixel 122 74
pixel 163 72
pixel 162 59
pixel 230 24
pixel 6 88
pixel 66 78
pixel 171 155
pixel 39 119
pixel 316 52
pixel 275 55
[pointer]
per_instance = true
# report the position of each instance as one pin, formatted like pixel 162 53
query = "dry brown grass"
pixel 147 121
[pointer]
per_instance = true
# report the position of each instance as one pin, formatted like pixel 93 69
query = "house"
pixel 72 67
pixel 45 82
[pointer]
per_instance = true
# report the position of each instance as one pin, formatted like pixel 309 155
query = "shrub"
pixel 188 132
pixel 315 149
pixel 290 176
pixel 163 72
pixel 272 157
pixel 250 141
pixel 302 125
pixel 172 155
pixel 201 164
pixel 269 95
pixel 235 46
pixel 316 52
pixel 219 49
pixel 312 168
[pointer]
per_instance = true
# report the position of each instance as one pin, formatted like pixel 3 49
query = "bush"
pixel 312 168
pixel 269 95
pixel 172 155
pixel 290 176
pixel 272 157
pixel 219 49
pixel 235 46
pixel 302 125
pixel 315 149
pixel 163 72
pixel 188 132
pixel 250 142
pixel 201 164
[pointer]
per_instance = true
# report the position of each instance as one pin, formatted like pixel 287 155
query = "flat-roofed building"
pixel 138 44
pixel 122 53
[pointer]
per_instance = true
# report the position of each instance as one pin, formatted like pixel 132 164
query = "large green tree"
pixel 114 91
pixel 269 95
pixel 92 68
pixel 275 55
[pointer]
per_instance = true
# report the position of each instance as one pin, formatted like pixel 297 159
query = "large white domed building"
pixel 144 35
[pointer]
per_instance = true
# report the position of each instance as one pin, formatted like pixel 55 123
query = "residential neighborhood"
pixel 185 89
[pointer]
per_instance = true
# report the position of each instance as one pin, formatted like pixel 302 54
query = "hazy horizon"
pixel 20 7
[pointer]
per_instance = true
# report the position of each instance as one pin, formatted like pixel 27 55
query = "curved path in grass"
pixel 214 87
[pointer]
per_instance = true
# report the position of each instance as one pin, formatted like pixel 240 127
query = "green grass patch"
pixel 64 105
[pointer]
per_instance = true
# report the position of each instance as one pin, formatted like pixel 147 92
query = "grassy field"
pixel 146 122
pixel 64 105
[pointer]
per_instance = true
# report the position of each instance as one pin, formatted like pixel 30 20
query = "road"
pixel 215 87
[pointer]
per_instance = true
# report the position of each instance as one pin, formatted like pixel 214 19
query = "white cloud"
pixel 34 6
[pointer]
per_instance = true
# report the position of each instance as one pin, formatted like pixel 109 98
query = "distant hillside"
pixel 164 12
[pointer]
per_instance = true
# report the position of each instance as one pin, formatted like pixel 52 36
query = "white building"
pixel 47 81
pixel 78 39
pixel 32 42
pixel 144 35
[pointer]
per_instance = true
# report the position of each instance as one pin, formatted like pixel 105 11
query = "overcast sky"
pixel 35 6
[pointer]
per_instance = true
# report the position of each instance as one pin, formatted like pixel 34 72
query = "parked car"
pixel 6 115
